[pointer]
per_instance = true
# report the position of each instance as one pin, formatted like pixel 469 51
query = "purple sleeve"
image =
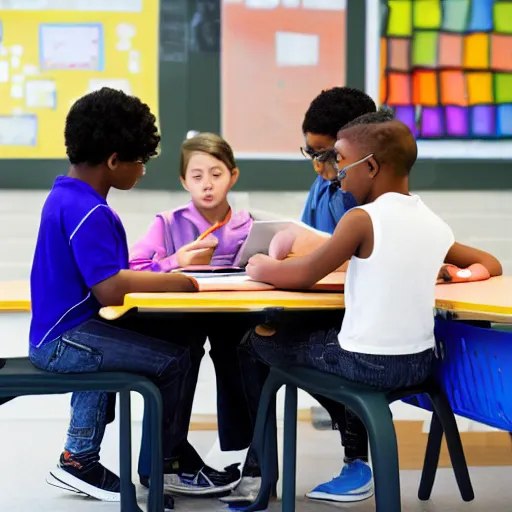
pixel 149 253
pixel 95 247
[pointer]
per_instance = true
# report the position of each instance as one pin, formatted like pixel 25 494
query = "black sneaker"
pixel 204 481
pixel 88 478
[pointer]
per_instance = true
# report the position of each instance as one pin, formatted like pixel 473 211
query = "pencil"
pixel 216 226
pixel 210 230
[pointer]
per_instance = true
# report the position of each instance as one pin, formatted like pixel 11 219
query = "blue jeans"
pixel 96 346
pixel 320 349
pixel 225 332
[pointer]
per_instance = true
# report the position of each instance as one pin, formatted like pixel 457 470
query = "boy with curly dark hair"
pixel 81 264
pixel 328 112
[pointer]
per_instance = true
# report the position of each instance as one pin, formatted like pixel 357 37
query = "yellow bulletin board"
pixel 49 58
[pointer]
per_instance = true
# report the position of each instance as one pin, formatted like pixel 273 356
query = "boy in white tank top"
pixel 396 246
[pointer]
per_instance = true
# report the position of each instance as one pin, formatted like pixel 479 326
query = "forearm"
pixel 492 264
pixel 155 265
pixel 464 256
pixel 112 291
pixel 307 242
pixel 292 274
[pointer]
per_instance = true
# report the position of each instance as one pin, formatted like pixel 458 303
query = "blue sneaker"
pixel 355 483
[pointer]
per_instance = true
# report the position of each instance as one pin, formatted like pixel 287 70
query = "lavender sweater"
pixel 171 230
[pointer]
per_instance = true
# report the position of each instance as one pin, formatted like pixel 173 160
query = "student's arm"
pixel 481 264
pixel 150 253
pixel 112 290
pixel 307 241
pixel 99 257
pixel 303 272
pixel 290 243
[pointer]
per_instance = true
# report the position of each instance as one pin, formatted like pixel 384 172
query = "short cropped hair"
pixel 209 143
pixel 334 108
pixel 109 121
pixel 390 140
pixel 383 115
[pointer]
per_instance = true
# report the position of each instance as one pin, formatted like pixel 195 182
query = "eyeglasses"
pixel 328 155
pixel 342 173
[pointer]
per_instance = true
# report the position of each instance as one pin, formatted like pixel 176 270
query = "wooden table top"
pixel 15 296
pixel 485 300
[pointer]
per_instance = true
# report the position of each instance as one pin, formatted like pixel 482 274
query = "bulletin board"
pixel 446 70
pixel 276 57
pixel 51 57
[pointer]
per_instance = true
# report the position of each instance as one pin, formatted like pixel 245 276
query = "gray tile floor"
pixel 29 448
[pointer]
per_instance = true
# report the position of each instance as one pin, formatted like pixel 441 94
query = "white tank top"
pixel 389 297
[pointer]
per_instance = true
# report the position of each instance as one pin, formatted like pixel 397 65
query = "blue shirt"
pixel 81 242
pixel 325 205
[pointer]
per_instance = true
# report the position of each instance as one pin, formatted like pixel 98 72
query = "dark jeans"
pixel 96 346
pixel 225 332
pixel 320 349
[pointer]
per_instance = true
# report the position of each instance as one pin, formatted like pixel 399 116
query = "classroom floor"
pixel 29 448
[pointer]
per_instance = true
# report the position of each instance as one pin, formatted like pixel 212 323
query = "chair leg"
pixel 265 445
pixel 376 416
pixel 290 449
pixel 153 407
pixel 128 494
pixel 444 411
pixel 431 461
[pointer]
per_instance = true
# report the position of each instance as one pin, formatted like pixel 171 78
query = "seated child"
pixel 208 171
pixel 328 112
pixel 396 246
pixel 81 264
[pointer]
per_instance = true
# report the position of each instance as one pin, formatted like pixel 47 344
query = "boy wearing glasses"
pixel 394 242
pixel 81 264
pixel 328 112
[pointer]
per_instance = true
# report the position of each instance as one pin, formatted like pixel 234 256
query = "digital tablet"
pixel 260 236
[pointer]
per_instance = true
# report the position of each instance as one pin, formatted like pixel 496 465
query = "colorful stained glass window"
pixel 447 67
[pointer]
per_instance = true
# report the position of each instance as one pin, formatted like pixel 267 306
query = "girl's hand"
pixel 261 268
pixel 454 274
pixel 199 252
pixel 282 243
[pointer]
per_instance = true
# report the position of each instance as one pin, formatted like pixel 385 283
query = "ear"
pixel 235 173
pixel 374 167
pixel 113 161
pixel 183 184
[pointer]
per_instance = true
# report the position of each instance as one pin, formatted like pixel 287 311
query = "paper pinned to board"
pixel 296 49
pixel 41 94
pixel 18 130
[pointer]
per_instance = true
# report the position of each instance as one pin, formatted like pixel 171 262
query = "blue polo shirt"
pixel 325 205
pixel 81 242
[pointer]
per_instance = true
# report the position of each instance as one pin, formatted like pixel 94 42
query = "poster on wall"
pixel 52 52
pixel 276 56
pixel 446 70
